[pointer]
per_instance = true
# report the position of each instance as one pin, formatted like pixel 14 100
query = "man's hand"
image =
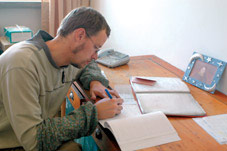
pixel 108 108
pixel 97 89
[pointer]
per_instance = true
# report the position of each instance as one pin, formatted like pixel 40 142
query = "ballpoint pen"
pixel 108 93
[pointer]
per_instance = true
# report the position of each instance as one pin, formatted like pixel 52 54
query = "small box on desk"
pixel 17 33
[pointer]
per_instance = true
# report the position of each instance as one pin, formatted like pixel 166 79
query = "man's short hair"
pixel 84 17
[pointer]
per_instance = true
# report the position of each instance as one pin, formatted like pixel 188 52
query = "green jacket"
pixel 31 93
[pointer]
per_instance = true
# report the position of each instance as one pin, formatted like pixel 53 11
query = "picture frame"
pixel 204 72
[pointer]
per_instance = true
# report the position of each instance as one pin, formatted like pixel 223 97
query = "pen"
pixel 108 93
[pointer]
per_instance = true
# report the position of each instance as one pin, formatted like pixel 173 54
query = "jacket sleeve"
pixel 92 73
pixel 81 122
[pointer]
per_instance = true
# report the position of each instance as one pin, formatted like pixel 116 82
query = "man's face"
pixel 84 53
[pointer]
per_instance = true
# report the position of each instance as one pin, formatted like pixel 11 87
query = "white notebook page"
pixel 163 84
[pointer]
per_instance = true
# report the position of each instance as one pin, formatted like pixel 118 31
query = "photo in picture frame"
pixel 204 72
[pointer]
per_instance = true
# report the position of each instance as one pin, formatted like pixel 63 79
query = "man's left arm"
pixel 92 78
pixel 92 73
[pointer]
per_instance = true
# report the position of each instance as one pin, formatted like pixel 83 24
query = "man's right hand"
pixel 108 108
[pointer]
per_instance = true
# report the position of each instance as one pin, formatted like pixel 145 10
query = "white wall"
pixel 170 29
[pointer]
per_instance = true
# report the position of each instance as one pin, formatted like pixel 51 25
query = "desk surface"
pixel 193 137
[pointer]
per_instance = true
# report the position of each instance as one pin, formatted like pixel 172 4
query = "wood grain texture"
pixel 193 137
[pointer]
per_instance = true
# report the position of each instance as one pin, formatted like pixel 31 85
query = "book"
pixel 141 131
pixel 169 95
pixel 134 130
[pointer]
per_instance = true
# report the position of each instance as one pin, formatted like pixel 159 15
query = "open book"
pixel 142 131
pixel 134 130
pixel 166 94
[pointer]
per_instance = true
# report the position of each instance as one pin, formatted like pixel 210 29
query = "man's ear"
pixel 79 34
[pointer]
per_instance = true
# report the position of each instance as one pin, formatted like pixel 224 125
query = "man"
pixel 35 76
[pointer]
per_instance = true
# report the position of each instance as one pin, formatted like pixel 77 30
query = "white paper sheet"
pixel 125 92
pixel 128 111
pixel 215 125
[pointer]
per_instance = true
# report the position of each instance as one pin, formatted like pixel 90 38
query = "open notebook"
pixel 134 130
pixel 166 94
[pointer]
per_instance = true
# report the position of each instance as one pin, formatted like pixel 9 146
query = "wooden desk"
pixel 193 137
